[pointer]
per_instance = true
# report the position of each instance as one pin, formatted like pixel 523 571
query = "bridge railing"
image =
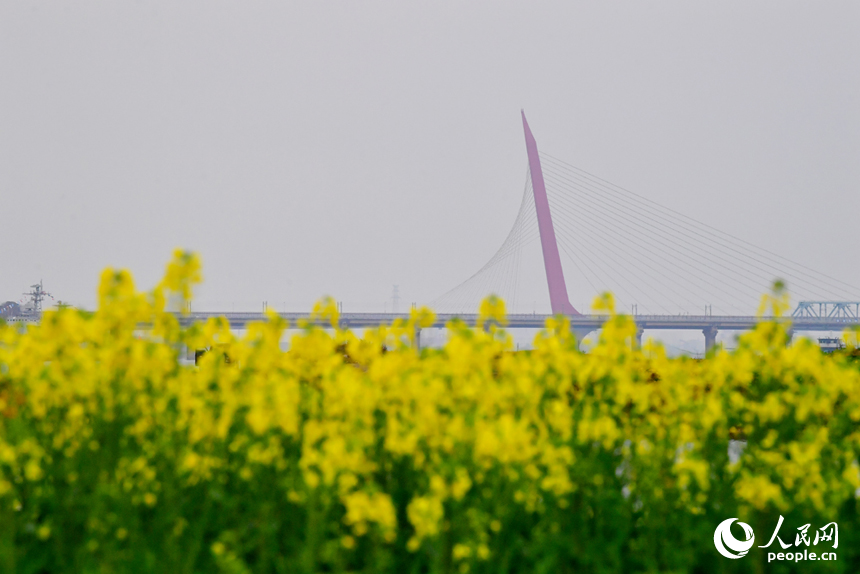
pixel 532 319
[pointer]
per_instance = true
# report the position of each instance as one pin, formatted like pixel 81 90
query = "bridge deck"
pixel 526 321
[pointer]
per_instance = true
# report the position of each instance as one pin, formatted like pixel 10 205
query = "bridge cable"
pixel 724 238
pixel 646 254
pixel 707 246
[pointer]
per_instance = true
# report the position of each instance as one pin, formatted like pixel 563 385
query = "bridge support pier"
pixel 639 332
pixel 710 337
pixel 417 339
pixel 789 335
pixel 580 334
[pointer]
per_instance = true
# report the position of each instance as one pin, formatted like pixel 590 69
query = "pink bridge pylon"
pixel 558 298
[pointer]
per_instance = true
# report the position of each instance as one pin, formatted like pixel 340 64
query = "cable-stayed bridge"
pixel 662 265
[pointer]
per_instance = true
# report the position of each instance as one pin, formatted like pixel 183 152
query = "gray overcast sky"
pixel 340 148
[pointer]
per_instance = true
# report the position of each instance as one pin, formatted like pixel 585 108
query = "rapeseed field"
pixel 363 454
